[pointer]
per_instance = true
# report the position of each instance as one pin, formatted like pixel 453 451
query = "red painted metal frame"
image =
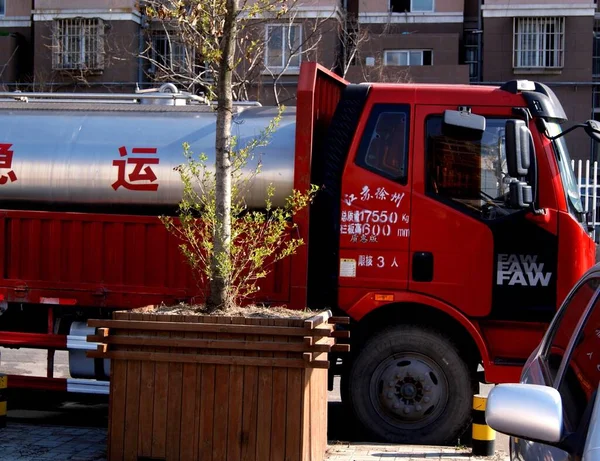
pixel 37 383
pixel 33 340
pixel 319 91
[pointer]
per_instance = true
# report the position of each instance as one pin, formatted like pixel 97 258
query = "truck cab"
pixel 459 230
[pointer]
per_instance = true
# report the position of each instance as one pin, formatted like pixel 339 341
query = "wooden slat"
pixel 209 359
pixel 205 328
pixel 118 396
pixel 295 401
pixel 161 389
pixel 316 346
pixel 207 389
pixel 251 401
pixel 341 348
pixel 236 406
pixel 198 403
pixel 132 407
pixel 220 421
pixel 340 334
pixel 264 401
pixel 174 398
pixel 279 407
pixel 146 403
pixel 317 320
pixel 340 320
pixel 188 442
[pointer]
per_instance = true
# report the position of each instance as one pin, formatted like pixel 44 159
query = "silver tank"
pixel 88 152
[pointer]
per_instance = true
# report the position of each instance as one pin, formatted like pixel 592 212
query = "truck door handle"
pixel 422 266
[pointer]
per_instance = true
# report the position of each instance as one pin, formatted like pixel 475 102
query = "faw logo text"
pixel 522 270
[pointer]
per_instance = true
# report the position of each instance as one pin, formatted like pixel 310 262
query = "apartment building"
pixel 92 45
pixel 407 41
pixel 88 45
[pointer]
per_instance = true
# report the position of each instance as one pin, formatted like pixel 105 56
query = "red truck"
pixel 448 227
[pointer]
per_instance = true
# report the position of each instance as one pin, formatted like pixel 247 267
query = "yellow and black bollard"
pixel 3 386
pixel 484 436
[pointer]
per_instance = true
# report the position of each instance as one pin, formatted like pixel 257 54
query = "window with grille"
pixel 539 42
pixel 407 58
pixel 78 44
pixel 284 45
pixel 170 53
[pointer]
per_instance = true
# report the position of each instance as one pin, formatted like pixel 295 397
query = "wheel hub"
pixel 409 389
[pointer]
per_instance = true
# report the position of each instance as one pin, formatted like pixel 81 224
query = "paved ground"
pixel 50 427
pixel 28 442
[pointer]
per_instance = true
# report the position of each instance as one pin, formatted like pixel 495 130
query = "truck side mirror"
pixel 463 124
pixel 518 148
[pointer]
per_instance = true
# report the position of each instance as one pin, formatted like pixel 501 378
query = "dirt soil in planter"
pixel 245 311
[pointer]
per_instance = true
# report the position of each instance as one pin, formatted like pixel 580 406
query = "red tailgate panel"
pixel 117 261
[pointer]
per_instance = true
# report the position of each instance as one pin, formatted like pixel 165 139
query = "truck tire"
pixel 408 384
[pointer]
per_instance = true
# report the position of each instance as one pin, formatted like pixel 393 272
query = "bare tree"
pixel 215 45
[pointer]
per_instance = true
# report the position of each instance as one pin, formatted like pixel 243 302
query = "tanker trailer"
pixel 124 154
pixel 83 178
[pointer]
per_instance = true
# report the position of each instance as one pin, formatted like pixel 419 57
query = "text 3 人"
pixel 521 270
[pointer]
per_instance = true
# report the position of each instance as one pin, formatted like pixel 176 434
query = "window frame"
pixel 562 370
pixel 448 201
pixel 284 47
pixel 181 63
pixel 519 55
pixel 556 323
pixel 61 33
pixel 407 51
pixel 412 8
pixel 375 112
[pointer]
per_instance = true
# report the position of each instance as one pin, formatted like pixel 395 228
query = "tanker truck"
pixel 443 214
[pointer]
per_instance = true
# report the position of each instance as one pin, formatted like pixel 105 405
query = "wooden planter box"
pixel 208 388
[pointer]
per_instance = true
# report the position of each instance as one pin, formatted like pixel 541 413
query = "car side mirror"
pixel 592 128
pixel 463 124
pixel 519 144
pixel 527 411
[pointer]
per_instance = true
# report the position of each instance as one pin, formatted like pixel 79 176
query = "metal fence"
pixel 586 173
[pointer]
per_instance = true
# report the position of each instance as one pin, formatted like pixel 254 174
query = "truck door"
pixel 374 224
pixel 466 247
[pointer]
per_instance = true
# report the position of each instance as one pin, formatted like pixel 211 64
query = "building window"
pixel 408 58
pixel 2 7
pixel 411 6
pixel 284 46
pixel 168 53
pixel 78 44
pixel 539 42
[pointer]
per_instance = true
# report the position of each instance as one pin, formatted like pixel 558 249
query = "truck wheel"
pixel 409 385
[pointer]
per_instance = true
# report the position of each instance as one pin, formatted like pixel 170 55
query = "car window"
pixel 581 374
pixel 564 325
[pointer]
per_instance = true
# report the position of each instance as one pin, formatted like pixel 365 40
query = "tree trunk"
pixel 222 237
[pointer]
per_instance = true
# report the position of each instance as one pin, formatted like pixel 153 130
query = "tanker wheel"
pixel 409 385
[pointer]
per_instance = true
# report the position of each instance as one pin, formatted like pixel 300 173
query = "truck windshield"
pixel 566 171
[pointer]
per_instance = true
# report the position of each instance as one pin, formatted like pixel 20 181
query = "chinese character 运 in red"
pixel 141 170
pixel 6 158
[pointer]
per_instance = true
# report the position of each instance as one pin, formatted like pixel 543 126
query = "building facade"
pixel 550 41
pixel 93 45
